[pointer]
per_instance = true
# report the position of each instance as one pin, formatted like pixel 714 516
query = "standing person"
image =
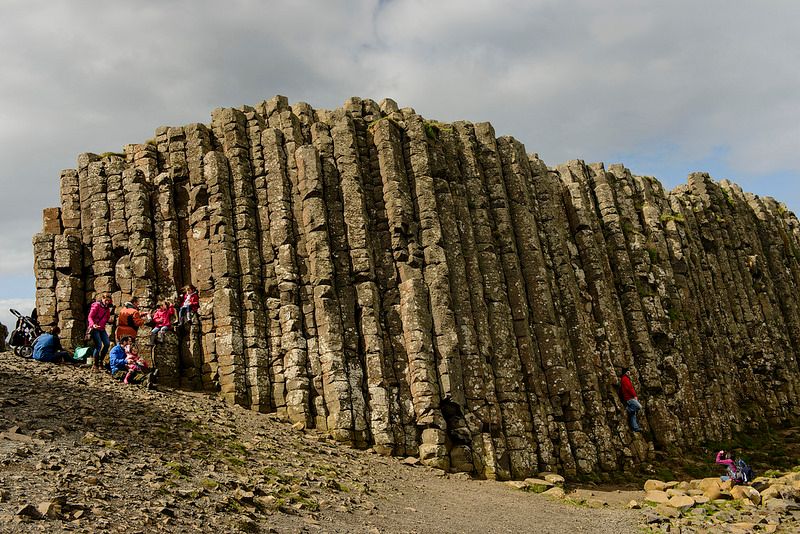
pixel 628 396
pixel 162 321
pixel 99 314
pixel 47 348
pixel 190 304
pixel 129 320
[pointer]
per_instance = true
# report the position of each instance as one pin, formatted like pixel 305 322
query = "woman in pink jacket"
pixel 99 314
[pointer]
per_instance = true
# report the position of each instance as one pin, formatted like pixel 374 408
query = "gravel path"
pixel 82 453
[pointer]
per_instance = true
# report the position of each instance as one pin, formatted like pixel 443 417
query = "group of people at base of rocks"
pixel 124 363
pixel 737 470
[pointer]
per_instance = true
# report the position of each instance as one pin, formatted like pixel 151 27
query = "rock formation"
pixel 433 290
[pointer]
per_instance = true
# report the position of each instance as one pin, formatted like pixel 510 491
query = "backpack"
pixel 81 353
pixel 745 472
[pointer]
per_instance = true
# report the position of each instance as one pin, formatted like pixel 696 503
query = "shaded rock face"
pixel 432 290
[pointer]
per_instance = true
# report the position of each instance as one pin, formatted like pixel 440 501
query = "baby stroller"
pixel 26 330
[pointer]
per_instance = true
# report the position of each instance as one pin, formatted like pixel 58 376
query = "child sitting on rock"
pixel 162 322
pixel 190 304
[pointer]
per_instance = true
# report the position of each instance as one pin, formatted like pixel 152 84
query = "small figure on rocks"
pixel 99 314
pixel 47 348
pixel 628 396
pixel 726 459
pixel 126 365
pixel 190 304
pixel 162 321
pixel 737 470
pixel 129 320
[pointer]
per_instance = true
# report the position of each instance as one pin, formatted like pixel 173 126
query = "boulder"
pixel 555 492
pixel 656 485
pixel 666 510
pixel 746 493
pixel 537 485
pixel 781 506
pixel 780 491
pixel 710 488
pixel 656 497
pixel 555 479
pixel 681 502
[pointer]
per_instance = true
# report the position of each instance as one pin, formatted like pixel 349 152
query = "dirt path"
pixel 95 455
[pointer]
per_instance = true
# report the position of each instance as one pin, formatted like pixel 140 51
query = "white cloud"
pixel 568 78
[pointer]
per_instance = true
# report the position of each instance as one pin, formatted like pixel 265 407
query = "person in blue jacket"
pixel 118 354
pixel 47 348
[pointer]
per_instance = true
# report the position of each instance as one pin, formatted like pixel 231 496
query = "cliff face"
pixel 429 289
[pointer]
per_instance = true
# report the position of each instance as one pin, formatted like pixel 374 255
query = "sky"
pixel 666 88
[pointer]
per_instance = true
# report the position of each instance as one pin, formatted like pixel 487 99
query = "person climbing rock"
pixel 630 399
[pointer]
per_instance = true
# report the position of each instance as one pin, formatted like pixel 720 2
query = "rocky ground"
pixel 82 453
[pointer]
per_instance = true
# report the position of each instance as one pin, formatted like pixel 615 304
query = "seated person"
pixel 726 459
pixel 47 348
pixel 190 304
pixel 126 365
pixel 162 322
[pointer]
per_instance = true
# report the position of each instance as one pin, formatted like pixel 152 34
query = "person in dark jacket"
pixel 47 348
pixel 629 397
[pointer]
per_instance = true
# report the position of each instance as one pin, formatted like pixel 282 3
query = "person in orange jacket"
pixel 129 320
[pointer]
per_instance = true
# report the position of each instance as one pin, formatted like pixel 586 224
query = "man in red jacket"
pixel 628 395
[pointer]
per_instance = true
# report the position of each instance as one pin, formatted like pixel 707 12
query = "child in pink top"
pixel 162 322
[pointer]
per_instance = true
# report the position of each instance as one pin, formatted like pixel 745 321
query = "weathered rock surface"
pixel 432 290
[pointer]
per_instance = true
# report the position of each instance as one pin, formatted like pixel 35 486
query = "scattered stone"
pixel 656 497
pixel 28 510
pixel 681 502
pixel 667 511
pixel 555 492
pixel 654 485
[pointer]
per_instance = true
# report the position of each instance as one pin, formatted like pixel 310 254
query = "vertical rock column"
pixel 338 403
pixel 414 303
pixel 141 259
pixel 101 260
pixel 290 384
pixel 228 340
pixel 482 409
pixel 68 259
pixel 43 269
pixel 230 128
pixel 200 347
pixel 342 280
pixel 518 459
pixel 358 236
pixel 403 421
pixel 267 290
pixel 423 165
